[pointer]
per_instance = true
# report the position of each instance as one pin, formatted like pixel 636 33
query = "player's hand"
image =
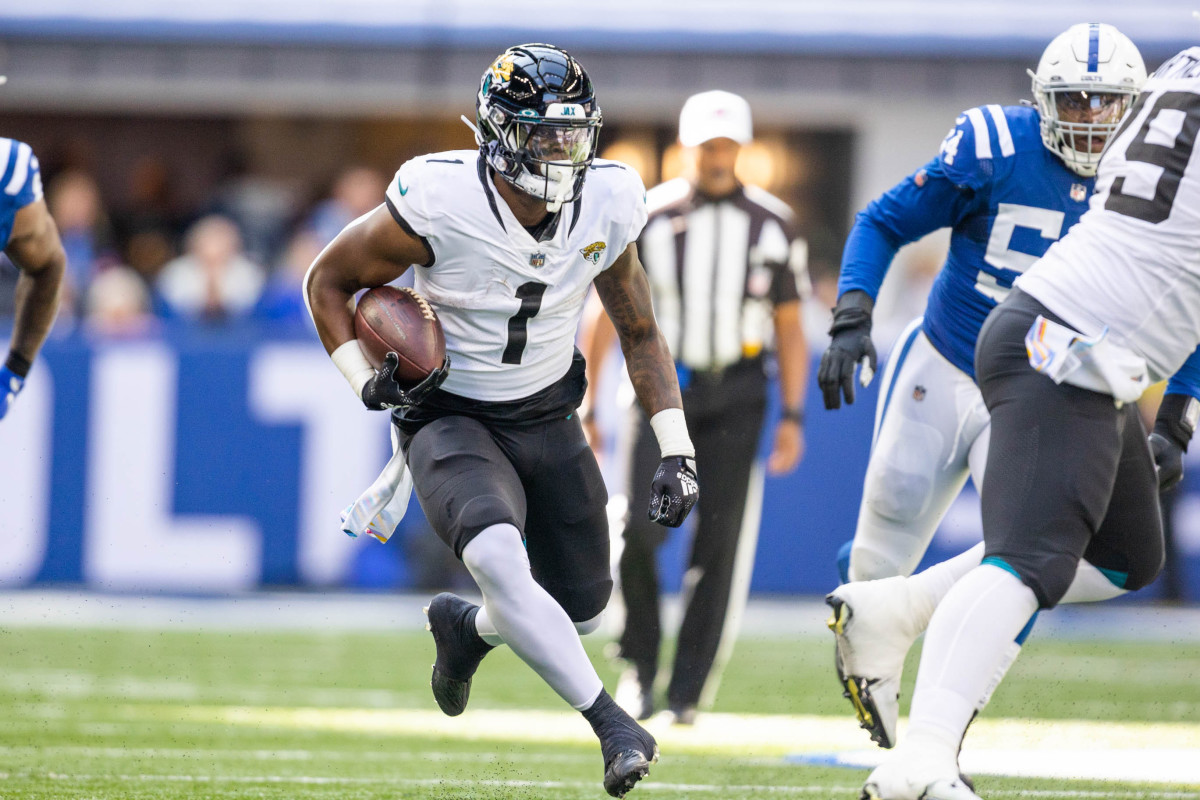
pixel 1168 461
pixel 850 346
pixel 1173 428
pixel 10 386
pixel 789 448
pixel 674 491
pixel 382 391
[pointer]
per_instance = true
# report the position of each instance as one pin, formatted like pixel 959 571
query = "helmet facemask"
pixel 1077 121
pixel 546 156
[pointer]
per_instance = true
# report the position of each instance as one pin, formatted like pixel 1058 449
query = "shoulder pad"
pixel 980 137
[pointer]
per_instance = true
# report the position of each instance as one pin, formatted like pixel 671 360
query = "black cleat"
pixel 459 650
pixel 627 747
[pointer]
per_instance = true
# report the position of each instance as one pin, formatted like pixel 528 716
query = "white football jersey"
pixel 510 305
pixel 1132 264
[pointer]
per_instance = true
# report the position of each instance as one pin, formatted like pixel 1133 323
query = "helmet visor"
pixel 561 143
pixel 1086 119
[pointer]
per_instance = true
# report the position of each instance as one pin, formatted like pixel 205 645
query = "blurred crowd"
pixel 240 256
pixel 147 261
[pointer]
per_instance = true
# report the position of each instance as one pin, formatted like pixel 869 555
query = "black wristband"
pixel 18 364
pixel 795 415
pixel 853 310
pixel 1176 418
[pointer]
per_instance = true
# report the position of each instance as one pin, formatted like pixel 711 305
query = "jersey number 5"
pixel 1009 217
pixel 530 295
pixel 1157 156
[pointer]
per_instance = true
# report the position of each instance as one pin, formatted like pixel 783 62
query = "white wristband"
pixel 353 364
pixel 671 430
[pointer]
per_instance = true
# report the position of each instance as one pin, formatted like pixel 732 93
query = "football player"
pixel 1110 308
pixel 29 238
pixel 1008 181
pixel 506 241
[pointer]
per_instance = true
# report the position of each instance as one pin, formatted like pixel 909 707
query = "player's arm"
pixel 792 353
pixel 371 251
pixel 926 201
pixel 625 293
pixel 1176 421
pixel 35 248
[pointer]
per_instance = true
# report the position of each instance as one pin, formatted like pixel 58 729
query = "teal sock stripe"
pixel 996 561
pixel 1117 579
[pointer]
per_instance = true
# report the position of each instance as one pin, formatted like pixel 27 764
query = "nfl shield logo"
pixel 537 260
pixel 1078 192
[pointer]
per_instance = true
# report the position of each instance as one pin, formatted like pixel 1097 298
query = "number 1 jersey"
pixel 510 303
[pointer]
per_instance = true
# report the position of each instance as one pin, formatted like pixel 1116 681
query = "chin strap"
pixel 471 125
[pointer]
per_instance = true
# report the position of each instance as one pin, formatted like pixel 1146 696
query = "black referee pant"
pixel 725 417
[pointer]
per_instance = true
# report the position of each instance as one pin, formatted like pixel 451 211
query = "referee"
pixel 724 264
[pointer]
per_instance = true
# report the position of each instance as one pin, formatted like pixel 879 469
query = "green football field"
pixel 95 713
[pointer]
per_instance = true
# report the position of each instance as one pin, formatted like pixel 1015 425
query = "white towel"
pixel 1067 356
pixel 379 509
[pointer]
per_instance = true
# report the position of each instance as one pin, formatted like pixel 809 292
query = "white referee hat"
pixel 715 115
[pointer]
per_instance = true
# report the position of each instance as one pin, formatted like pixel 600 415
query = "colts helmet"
pixel 1087 79
pixel 537 122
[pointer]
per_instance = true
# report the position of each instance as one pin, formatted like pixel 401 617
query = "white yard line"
pixel 342 611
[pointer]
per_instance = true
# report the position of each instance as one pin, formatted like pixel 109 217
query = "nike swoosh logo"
pixel 403 191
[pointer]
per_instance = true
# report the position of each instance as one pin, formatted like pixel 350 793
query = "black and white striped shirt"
pixel 717 267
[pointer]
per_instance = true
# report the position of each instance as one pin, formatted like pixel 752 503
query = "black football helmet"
pixel 537 122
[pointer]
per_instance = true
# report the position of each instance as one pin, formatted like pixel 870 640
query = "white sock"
pixel 970 638
pixel 486 630
pixel 526 618
pixel 927 588
pixel 1091 585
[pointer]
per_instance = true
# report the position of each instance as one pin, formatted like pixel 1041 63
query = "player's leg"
pixel 928 415
pixel 929 419
pixel 1053 458
pixel 568 561
pixel 466 486
pixel 1128 551
pixel 726 435
pixel 641 634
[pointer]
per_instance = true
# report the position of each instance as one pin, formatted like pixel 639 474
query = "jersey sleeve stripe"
pixel 21 172
pixel 1002 131
pixel 983 139
pixel 6 147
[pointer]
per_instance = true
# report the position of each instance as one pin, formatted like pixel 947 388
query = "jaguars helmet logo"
pixel 593 252
pixel 502 69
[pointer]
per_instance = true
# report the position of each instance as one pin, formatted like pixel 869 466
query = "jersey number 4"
pixel 530 295
pixel 1164 144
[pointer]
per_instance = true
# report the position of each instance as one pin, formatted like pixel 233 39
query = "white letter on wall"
pixel 133 539
pixel 26 453
pixel 345 447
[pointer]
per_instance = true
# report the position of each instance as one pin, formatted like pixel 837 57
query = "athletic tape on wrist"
pixel 349 359
pixel 670 428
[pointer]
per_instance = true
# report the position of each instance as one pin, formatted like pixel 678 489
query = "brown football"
pixel 390 319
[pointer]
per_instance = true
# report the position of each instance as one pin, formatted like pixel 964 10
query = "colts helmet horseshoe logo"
pixel 592 252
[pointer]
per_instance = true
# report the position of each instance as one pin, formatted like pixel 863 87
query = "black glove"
pixel 851 332
pixel 382 391
pixel 674 491
pixel 1173 428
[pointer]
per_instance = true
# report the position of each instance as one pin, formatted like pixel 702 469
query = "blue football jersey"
pixel 20 183
pixel 1006 199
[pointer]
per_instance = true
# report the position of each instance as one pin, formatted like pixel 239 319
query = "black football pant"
pixel 725 418
pixel 1069 475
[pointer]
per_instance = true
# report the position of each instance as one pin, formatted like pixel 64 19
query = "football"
pixel 390 319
